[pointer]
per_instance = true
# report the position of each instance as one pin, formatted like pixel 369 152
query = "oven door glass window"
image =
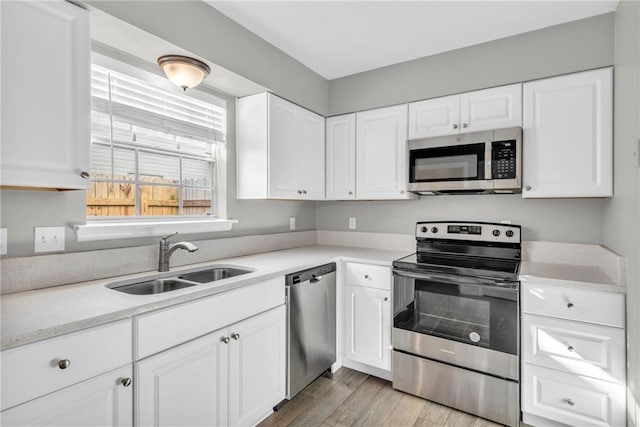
pixel 480 315
pixel 456 163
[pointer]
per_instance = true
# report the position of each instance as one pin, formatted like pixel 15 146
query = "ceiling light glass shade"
pixel 183 71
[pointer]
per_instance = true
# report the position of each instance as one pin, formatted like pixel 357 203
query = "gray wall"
pixel 201 29
pixel 565 48
pixel 560 49
pixel 578 221
pixel 621 213
pixel 21 210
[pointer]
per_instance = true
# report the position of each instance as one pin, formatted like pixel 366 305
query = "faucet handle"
pixel 167 237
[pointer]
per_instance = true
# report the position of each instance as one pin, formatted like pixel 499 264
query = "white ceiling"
pixel 339 38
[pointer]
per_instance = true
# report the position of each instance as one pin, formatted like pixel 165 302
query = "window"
pixel 153 151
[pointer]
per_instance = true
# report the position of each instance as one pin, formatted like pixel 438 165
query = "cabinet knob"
pixel 64 363
pixel 350 192
pixel 455 126
pixel 235 336
pixel 84 174
pixel 386 298
pixel 464 125
pixel 225 340
pixel 401 191
pixel 570 402
pixel 570 305
pixel 570 348
pixel 299 191
pixel 528 188
pixel 126 382
pixel 304 191
pixel 366 276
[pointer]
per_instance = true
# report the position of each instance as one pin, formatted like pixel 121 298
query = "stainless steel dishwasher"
pixel 311 325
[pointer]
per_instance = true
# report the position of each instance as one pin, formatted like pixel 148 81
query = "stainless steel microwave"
pixel 479 162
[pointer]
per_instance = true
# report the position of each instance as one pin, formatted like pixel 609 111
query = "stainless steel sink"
pixel 156 286
pixel 213 274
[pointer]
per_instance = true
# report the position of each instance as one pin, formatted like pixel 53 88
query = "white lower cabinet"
pixel 573 356
pixel 233 376
pixel 368 326
pixel 106 400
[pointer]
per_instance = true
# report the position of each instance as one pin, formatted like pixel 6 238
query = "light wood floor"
pixel 351 398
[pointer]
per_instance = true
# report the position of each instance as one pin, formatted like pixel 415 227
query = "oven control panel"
pixel 482 232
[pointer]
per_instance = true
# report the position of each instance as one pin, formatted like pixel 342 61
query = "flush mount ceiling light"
pixel 183 71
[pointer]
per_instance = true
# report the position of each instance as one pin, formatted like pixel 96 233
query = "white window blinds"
pixel 159 112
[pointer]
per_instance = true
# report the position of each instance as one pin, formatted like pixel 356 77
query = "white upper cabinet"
pixel 381 150
pixel 45 95
pixel 280 150
pixel 341 157
pixel 568 136
pixel 495 108
pixel 434 117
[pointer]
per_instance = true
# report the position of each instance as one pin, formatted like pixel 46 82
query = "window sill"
pixel 125 230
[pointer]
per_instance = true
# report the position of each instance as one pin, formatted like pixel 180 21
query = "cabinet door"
pixel 285 149
pixel 341 157
pixel 381 151
pixel 310 164
pixel 100 401
pixel 434 117
pixel 368 337
pixel 567 136
pixel 495 108
pixel 186 385
pixel 45 94
pixel 257 366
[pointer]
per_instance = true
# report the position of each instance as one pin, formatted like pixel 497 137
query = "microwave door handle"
pixel 488 160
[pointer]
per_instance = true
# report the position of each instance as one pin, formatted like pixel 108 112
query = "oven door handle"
pixel 423 276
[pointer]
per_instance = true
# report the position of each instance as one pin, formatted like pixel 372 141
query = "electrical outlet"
pixel 352 223
pixel 48 239
pixel 292 223
pixel 3 241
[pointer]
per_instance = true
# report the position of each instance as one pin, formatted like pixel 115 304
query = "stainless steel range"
pixel 456 318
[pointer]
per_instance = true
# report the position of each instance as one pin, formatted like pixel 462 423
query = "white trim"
pixel 123 230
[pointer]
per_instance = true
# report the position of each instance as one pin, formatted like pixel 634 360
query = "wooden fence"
pixel 118 199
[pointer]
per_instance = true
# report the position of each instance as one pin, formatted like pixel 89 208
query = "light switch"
pixel 48 239
pixel 3 241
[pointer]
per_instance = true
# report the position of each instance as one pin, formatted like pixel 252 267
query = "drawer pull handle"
pixel 126 382
pixel 570 402
pixel 64 363
pixel 225 340
pixel 570 348
pixel 570 305
pixel 235 336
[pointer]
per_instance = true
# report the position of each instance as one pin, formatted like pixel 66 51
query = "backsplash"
pixel 37 272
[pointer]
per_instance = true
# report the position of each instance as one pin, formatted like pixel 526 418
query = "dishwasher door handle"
pixel 315 279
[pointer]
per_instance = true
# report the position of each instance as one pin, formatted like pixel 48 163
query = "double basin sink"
pixel 161 285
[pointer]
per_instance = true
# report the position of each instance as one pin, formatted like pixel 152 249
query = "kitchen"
pixel 43 293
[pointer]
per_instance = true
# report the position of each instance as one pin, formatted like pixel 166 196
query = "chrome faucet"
pixel 166 252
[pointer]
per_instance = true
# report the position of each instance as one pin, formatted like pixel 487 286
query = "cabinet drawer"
pixel 33 370
pixel 572 399
pixel 166 328
pixel 369 275
pixel 604 308
pixel 574 347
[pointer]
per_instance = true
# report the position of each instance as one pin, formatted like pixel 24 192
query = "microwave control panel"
pixel 503 159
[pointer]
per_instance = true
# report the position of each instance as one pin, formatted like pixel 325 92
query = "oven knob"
pixel 434 229
pixel 496 233
pixel 423 229
pixel 509 233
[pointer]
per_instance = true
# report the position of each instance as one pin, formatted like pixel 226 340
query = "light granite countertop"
pixel 44 313
pixel 39 314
